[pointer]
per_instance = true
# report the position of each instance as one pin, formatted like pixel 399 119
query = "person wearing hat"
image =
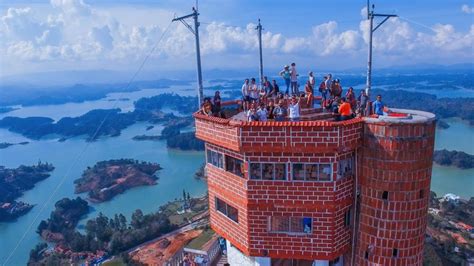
pixel 285 74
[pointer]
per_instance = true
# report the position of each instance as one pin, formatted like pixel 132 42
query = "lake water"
pixel 179 167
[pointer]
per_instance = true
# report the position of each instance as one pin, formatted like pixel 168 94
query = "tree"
pixel 123 222
pixel 35 253
pixel 137 219
pixel 184 195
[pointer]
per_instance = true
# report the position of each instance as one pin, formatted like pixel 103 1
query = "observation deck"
pixel 316 132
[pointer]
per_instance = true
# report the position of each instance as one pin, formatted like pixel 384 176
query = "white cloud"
pixel 72 7
pixel 102 36
pixel 75 32
pixel 467 9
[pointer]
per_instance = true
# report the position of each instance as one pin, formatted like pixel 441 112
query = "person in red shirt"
pixel 345 110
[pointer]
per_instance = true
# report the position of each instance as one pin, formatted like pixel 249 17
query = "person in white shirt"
pixel 253 91
pixel 245 95
pixel 262 113
pixel 294 109
pixel 311 79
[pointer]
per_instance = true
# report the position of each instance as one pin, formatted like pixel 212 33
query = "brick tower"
pixel 396 163
pixel 283 193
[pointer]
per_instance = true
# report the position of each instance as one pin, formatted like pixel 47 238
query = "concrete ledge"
pixel 413 117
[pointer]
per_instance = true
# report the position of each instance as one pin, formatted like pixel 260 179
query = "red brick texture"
pixel 391 158
pixel 325 202
pixel 310 136
pixel 396 159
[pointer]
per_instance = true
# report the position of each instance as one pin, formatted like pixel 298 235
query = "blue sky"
pixel 86 35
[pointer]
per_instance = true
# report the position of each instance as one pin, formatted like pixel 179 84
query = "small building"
pixel 203 250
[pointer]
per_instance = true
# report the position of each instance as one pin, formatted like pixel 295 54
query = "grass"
pixel 202 239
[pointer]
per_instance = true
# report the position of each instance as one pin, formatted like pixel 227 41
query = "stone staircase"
pixel 222 261
pixel 315 114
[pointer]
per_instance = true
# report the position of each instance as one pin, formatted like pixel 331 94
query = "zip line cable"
pixel 82 152
pixel 417 23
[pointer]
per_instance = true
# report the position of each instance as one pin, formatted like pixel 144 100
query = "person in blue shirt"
pixel 378 106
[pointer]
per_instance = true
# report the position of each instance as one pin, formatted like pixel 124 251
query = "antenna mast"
pixel 259 29
pixel 195 31
pixel 370 16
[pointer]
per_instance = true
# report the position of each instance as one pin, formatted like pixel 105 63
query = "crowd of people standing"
pixel 266 101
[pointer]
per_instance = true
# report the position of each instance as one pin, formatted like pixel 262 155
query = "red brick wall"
pixel 311 136
pixel 231 189
pixel 300 138
pixel 217 131
pixel 396 158
pixel 257 200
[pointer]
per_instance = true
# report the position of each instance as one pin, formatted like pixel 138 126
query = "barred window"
pixel 312 172
pixel 227 210
pixel 268 171
pixel 280 224
pixel 255 171
pixel 215 158
pixel 234 166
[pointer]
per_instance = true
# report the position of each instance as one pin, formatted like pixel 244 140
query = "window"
pixel 324 173
pixel 298 171
pixel 347 218
pixel 345 167
pixel 385 195
pixel 312 172
pixel 234 166
pixel 422 193
pixel 280 171
pixel 395 252
pixel 366 255
pixel 255 171
pixel 215 158
pixel 291 224
pixel 227 210
pixel 268 171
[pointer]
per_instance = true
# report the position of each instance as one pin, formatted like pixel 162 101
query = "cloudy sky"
pixel 325 34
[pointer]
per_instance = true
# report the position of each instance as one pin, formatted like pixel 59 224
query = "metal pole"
pixel 369 57
pixel 370 17
pixel 198 58
pixel 259 28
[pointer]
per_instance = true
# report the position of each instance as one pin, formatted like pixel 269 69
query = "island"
pixel 111 121
pixel 185 141
pixel 106 179
pixel 63 220
pixel 4 145
pixel 7 109
pixel 15 181
pixel 454 158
